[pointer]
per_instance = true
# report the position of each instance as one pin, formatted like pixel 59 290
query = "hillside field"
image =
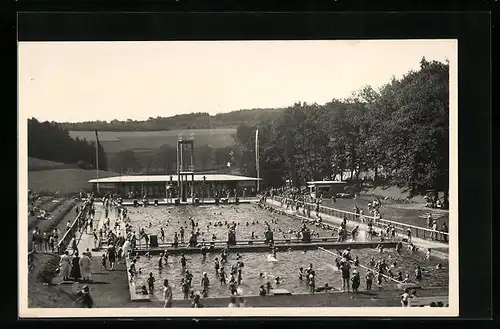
pixel 35 164
pixel 64 181
pixel 144 141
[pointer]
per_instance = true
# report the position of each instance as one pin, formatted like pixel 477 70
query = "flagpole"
pixel 257 158
pixel 97 159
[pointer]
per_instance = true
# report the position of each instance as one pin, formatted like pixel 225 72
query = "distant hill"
pixel 250 117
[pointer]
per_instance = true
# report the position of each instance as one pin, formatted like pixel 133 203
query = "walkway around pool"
pixel 421 243
pixel 189 201
pixel 265 248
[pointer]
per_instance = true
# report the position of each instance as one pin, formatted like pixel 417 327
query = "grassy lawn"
pixel 39 164
pixel 64 181
pixel 391 211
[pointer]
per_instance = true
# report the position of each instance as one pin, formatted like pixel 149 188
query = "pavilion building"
pixel 166 186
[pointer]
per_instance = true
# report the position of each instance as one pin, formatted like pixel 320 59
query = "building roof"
pixel 166 178
pixel 326 182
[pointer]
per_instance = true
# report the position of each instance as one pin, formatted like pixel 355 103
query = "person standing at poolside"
pixel 444 229
pixel 345 268
pixel 65 266
pixel 85 267
pixel 182 234
pixel 75 267
pixel 167 294
pixel 111 255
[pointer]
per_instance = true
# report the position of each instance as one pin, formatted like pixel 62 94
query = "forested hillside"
pixel 50 141
pixel 183 121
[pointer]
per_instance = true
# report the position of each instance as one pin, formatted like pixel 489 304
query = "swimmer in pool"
pixel 301 273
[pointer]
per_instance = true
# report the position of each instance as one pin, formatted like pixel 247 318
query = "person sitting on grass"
pixel 144 290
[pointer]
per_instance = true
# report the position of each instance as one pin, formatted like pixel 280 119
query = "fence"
pixel 401 229
pixel 255 242
pixel 78 222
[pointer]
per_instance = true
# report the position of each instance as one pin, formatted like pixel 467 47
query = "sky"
pixel 87 81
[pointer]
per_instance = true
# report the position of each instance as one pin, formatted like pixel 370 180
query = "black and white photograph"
pixel 307 177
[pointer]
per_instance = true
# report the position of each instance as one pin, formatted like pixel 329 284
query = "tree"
pixel 50 141
pixel 128 162
pixel 416 134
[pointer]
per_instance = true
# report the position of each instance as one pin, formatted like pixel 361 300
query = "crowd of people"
pixel 122 241
pixel 292 198
pixel 78 266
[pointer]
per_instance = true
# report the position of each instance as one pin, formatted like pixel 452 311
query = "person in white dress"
pixel 85 267
pixel 125 249
pixel 65 265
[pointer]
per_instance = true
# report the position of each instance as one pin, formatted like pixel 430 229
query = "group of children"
pixel 45 241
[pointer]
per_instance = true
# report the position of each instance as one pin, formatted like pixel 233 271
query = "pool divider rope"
pixel 367 268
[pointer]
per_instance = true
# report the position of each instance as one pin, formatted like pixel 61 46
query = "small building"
pixel 327 188
pixel 165 186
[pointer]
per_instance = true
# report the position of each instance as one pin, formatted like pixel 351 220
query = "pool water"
pixel 286 266
pixel 151 219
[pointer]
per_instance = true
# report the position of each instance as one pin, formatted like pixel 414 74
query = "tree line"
pixel 164 160
pixel 199 120
pixel 399 133
pixel 51 141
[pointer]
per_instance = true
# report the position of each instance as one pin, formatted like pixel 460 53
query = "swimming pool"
pixel 286 266
pixel 171 218
pixel 248 218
